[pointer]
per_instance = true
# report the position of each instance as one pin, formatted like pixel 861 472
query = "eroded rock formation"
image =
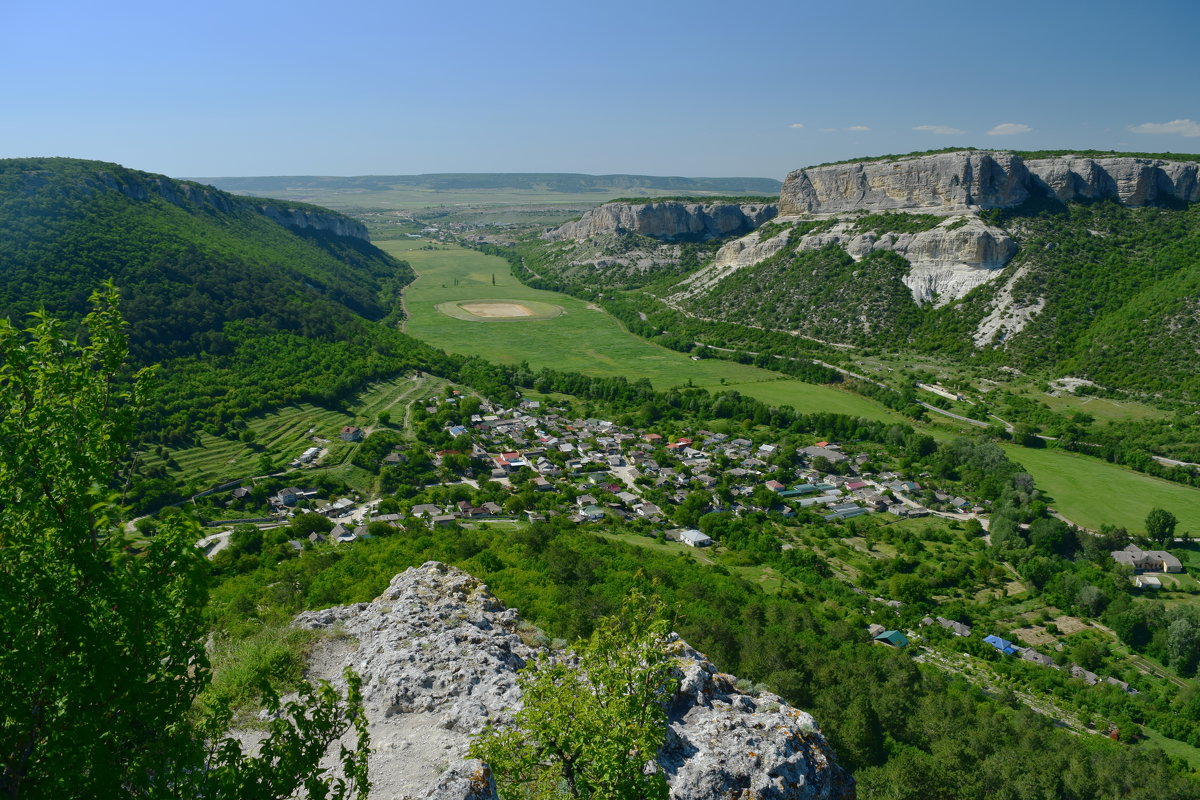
pixel 438 654
pixel 668 221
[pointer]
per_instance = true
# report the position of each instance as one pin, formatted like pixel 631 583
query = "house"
pixel 1003 645
pixel 1029 654
pixel 289 496
pixel 648 510
pixel 694 538
pixel 592 513
pixel 775 486
pixel 892 639
pixel 832 456
pixel 241 493
pixel 1147 582
pixel 1147 560
pixel 1090 678
pixel 426 510
pixel 442 521
pixel 351 434
pixel 957 628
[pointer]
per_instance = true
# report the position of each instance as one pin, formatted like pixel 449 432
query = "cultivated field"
pixel 287 432
pixel 494 310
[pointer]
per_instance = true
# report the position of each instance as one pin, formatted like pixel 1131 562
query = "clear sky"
pixel 696 88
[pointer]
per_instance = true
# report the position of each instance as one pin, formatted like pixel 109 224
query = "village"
pixel 592 469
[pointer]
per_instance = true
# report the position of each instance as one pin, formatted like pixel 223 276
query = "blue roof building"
pixel 1002 645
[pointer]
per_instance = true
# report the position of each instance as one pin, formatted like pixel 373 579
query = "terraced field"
pixel 285 433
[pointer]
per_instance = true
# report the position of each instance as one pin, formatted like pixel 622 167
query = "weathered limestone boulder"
pixel 669 221
pixel 943 183
pixel 438 654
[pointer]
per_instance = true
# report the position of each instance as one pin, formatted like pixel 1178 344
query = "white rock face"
pixel 1006 317
pixel 438 655
pixel 945 183
pixel 668 221
pixel 948 183
pixel 1132 181
pixel 946 262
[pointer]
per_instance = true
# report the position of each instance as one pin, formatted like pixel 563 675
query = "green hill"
pixel 249 303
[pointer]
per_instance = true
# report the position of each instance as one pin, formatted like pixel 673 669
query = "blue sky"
pixel 700 88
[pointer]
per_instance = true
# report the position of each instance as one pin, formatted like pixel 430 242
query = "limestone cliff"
pixel 438 654
pixel 1132 181
pixel 668 221
pixel 300 218
pixel 947 261
pixel 949 183
pixel 942 183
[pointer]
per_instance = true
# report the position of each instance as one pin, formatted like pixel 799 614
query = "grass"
pixel 810 397
pixel 1091 492
pixel 1172 747
pixel 582 339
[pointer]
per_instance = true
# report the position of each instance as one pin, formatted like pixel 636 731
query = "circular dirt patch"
pixel 492 310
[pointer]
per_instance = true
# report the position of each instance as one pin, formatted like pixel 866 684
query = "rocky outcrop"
pixel 438 654
pixel 1132 181
pixel 948 183
pixel 942 183
pixel 738 254
pixel 669 221
pixel 296 219
pixel 144 186
pixel 947 261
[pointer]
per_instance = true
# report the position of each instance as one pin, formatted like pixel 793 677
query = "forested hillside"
pixel 244 311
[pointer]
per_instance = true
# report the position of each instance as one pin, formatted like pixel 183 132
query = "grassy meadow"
pixel 1091 492
pixel 582 339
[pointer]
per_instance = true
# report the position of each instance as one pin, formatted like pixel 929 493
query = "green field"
pixel 1092 492
pixel 582 339
pixel 812 397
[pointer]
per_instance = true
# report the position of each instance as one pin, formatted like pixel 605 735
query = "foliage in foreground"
pixel 593 718
pixel 103 654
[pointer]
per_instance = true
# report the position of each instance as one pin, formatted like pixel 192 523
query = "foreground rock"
pixel 438 654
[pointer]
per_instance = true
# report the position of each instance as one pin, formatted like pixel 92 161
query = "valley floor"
pixel 1087 491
